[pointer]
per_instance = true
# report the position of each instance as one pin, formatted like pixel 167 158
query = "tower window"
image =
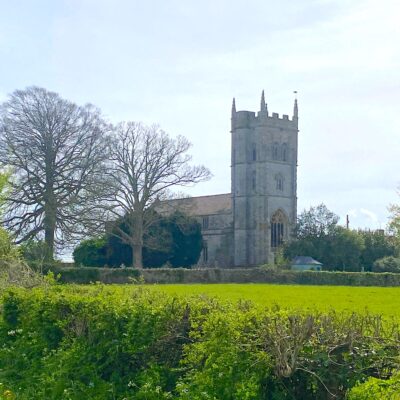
pixel 206 222
pixel 279 183
pixel 254 153
pixel 278 222
pixel 253 180
pixel 275 151
pixel 284 152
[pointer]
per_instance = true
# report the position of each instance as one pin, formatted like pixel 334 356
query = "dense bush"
pixel 377 389
pixel 387 264
pixel 106 343
pixel 91 253
pixel 175 240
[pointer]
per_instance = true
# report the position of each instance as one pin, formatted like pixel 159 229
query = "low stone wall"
pixel 250 275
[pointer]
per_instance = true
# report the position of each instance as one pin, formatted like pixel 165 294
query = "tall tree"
pixel 57 151
pixel 146 165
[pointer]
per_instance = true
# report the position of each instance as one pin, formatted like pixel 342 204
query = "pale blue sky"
pixel 179 63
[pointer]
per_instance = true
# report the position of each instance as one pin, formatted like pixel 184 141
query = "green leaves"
pixel 113 342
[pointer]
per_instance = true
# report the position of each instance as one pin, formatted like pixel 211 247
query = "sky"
pixel 179 63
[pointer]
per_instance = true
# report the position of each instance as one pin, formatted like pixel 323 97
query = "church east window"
pixel 206 222
pixel 278 222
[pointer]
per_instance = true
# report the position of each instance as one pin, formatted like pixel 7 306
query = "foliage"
pixel 175 240
pixel 145 164
pixel 319 236
pixel 108 343
pixel 316 222
pixel 387 264
pixel 91 253
pixel 377 245
pixel 377 389
pixel 7 249
pixel 34 252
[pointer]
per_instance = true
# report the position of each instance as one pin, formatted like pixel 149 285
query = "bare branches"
pixel 145 164
pixel 57 151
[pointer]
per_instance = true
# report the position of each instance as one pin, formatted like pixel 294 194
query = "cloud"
pixel 370 214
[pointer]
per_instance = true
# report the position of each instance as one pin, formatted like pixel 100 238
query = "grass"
pixel 376 300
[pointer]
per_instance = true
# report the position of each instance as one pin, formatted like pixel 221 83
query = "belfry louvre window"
pixel 253 180
pixel 277 229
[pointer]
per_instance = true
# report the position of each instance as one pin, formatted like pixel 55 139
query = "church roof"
pixel 202 205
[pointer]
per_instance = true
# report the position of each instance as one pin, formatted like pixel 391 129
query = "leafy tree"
pixel 394 221
pixel 318 235
pixel 377 245
pixel 387 264
pixel 174 239
pixel 91 253
pixel 57 151
pixel 316 222
pixel 146 164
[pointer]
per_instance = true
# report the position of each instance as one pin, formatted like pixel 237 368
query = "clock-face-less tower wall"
pixel 264 182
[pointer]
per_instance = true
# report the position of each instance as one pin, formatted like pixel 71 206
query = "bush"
pixel 387 264
pixel 34 252
pixel 377 389
pixel 91 253
pixel 105 343
pixel 7 250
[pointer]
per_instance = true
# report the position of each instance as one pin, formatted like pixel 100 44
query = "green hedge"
pixel 253 275
pixel 103 342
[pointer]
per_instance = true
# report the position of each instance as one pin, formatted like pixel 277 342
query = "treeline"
pixel 319 235
pixel 106 343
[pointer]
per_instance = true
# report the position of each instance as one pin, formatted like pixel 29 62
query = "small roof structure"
pixel 305 260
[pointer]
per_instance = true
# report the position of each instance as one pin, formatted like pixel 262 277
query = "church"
pixel 245 227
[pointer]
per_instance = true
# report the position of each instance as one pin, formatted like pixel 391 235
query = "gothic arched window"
pixel 275 151
pixel 253 180
pixel 284 152
pixel 279 182
pixel 278 228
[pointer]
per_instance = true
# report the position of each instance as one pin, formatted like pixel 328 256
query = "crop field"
pixel 375 300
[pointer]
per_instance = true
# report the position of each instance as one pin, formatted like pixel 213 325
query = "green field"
pixel 376 300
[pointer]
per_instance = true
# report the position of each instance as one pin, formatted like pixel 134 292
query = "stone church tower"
pixel 264 182
pixel 246 226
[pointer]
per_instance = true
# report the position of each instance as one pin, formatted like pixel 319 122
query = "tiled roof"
pixel 202 205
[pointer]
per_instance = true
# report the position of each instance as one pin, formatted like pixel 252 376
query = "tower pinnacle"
pixel 295 108
pixel 233 107
pixel 262 106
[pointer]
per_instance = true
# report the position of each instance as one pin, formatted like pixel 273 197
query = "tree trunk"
pixel 49 230
pixel 137 256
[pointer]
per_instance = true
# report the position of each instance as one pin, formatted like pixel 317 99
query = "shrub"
pixel 91 253
pixel 34 252
pixel 377 389
pixel 387 264
pixel 105 343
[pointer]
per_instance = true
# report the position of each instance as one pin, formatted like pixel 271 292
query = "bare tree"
pixel 146 164
pixel 57 151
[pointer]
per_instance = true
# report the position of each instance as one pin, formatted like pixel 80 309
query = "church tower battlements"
pixel 263 182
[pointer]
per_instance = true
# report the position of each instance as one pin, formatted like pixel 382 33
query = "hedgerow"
pixel 98 342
